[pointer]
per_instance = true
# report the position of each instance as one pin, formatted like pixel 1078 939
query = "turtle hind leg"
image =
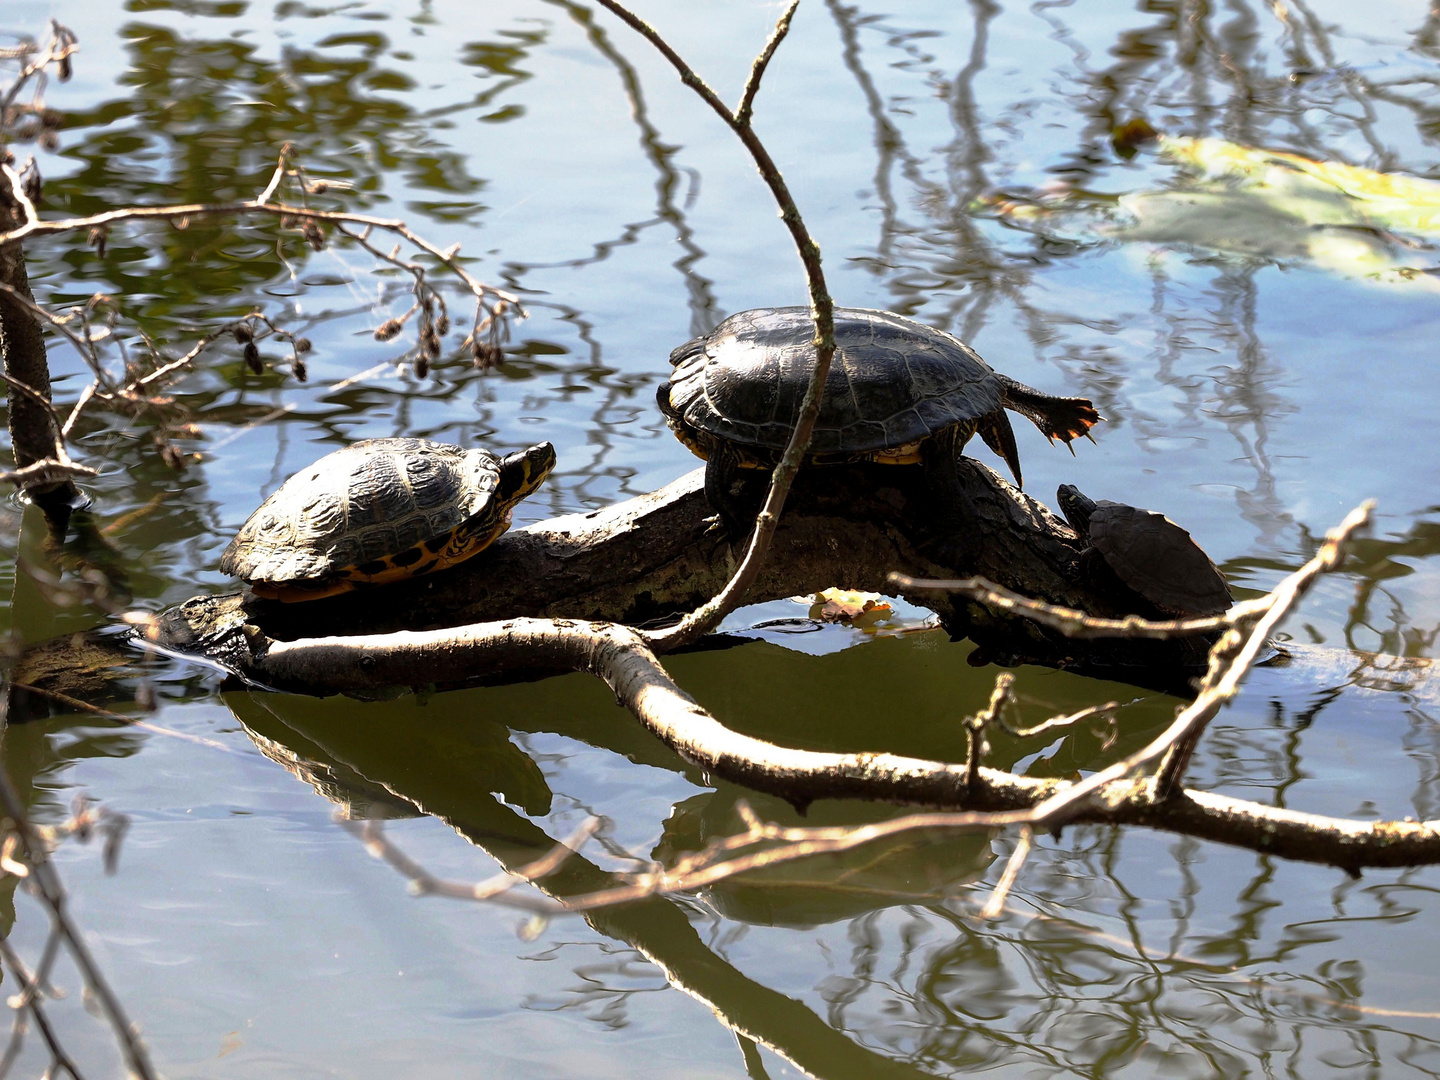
pixel 995 429
pixel 1063 418
pixel 952 513
pixel 728 493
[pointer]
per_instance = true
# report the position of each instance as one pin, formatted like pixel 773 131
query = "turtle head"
pixel 524 471
pixel 1077 508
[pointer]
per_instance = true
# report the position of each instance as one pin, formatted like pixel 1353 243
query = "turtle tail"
pixel 999 436
pixel 1063 418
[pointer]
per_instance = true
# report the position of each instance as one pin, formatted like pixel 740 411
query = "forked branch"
pixel 822 308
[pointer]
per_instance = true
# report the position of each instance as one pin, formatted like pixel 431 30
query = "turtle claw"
pixel 717 529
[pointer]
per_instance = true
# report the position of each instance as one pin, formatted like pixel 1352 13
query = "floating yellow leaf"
pixel 1389 200
pixel 847 606
pixel 1264 204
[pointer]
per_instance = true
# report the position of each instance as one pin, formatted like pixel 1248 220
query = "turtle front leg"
pixel 952 513
pixel 728 493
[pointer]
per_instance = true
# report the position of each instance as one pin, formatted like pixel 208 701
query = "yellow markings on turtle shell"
pixel 909 454
pixel 694 447
pixel 437 553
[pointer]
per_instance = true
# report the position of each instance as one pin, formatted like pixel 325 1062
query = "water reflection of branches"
pixel 26 854
pixel 668 183
pixel 1242 398
pixel 1171 65
pixel 965 255
pixel 1038 992
pixel 611 412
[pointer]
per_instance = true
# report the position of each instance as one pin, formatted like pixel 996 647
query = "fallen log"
pixel 652 558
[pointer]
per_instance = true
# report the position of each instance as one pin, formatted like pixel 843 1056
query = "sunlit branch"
pixel 1229 665
pixel 620 657
pixel 499 889
pixel 1079 624
pixel 642 685
pixel 757 70
pixel 996 904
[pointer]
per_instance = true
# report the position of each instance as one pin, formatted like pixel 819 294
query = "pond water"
pixel 1255 390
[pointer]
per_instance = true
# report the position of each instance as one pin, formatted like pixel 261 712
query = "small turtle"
pixel 1148 552
pixel 898 392
pixel 380 510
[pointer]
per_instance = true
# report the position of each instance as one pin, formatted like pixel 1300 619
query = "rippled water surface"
pixel 956 164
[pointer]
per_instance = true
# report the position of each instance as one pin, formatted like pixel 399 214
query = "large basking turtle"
pixel 380 510
pixel 898 392
pixel 1148 552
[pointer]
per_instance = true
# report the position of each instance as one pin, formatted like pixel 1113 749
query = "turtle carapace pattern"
pixel 1148 552
pixel 898 392
pixel 378 511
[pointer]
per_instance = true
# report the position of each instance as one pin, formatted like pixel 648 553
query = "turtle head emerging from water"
pixel 1077 508
pixel 524 471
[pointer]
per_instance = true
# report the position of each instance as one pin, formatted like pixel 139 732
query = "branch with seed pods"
pixel 136 388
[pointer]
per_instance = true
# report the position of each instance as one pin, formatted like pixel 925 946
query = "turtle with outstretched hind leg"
pixel 897 393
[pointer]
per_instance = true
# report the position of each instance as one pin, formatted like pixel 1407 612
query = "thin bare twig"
pixel 1056 722
pixel 34 226
pixel 822 309
pixel 62 45
pixel 757 70
pixel 1080 624
pixel 975 726
pixel 83 345
pixel 492 304
pixel 78 408
pixel 1218 688
pixel 1286 595
pixel 996 904
pixel 499 888
pixel 28 1001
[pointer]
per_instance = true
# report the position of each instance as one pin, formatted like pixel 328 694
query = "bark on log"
pixel 22 347
pixel 659 555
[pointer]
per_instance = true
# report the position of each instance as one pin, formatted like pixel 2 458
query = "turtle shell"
pixel 1158 559
pixel 375 511
pixel 893 382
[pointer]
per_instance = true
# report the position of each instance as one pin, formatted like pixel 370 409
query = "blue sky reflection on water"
pixel 1254 400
